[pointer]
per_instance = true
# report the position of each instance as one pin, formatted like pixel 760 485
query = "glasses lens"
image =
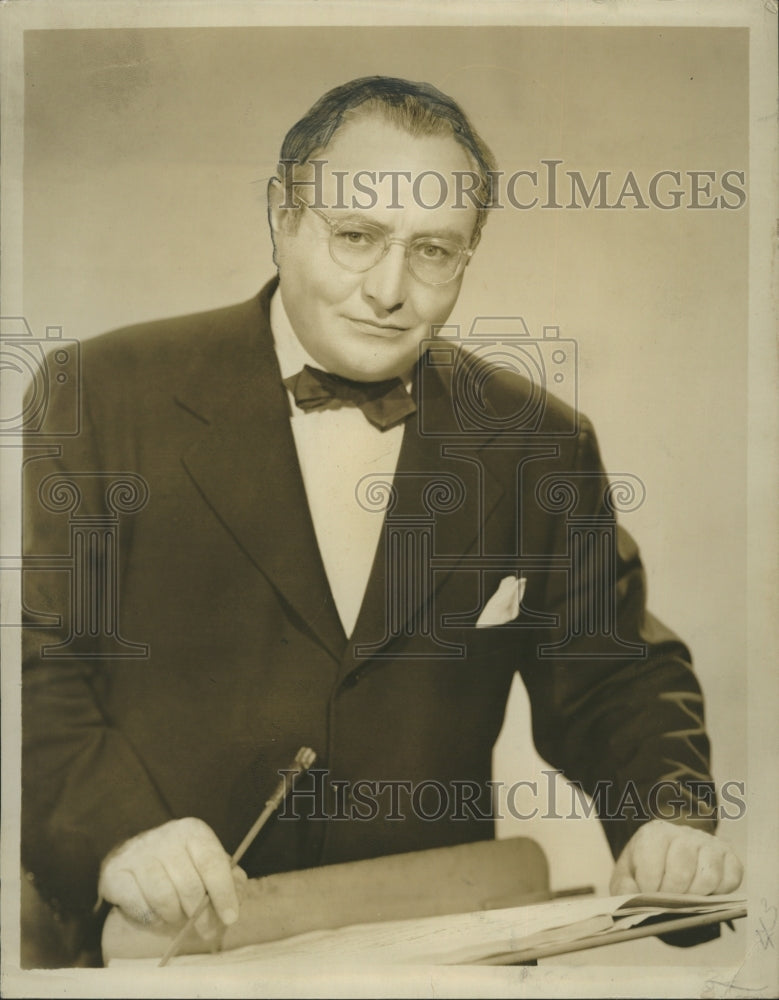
pixel 435 261
pixel 357 246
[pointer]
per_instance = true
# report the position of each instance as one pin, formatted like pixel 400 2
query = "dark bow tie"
pixel 384 404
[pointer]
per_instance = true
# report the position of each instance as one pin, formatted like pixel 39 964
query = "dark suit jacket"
pixel 219 576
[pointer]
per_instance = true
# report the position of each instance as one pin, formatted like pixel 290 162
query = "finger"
pixel 733 872
pixel 649 854
pixel 208 924
pixel 681 863
pixel 118 886
pixel 622 880
pixel 213 866
pixel 711 867
pixel 186 881
pixel 241 883
pixel 623 884
pixel 158 889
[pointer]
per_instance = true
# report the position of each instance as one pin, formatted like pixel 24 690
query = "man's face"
pixel 368 325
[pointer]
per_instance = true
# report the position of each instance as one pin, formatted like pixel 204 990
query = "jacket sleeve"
pixel 616 705
pixel 84 787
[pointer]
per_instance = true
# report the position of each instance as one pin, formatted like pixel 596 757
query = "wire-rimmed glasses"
pixel 358 246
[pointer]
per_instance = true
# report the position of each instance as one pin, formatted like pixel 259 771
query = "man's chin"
pixel 373 372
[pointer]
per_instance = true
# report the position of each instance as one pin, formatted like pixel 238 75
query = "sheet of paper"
pixel 465 937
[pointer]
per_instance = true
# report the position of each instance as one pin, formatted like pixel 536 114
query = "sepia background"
pixel 146 157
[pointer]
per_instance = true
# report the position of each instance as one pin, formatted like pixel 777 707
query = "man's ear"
pixel 275 199
pixel 276 214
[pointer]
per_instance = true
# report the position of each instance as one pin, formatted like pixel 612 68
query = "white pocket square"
pixel 503 606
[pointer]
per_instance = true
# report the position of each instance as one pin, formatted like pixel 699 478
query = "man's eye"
pixel 436 251
pixel 356 237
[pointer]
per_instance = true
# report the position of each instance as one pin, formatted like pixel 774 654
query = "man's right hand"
pixel 163 873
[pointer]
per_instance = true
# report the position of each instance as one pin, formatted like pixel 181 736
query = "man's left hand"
pixel 665 857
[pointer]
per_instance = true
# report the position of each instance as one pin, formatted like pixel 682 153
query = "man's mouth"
pixel 378 329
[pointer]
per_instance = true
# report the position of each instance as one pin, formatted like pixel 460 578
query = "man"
pixel 349 561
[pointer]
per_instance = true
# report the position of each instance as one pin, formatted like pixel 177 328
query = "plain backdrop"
pixel 146 158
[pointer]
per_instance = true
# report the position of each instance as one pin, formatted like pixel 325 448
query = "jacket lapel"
pixel 245 466
pixel 444 492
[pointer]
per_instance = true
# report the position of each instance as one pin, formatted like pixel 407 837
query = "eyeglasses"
pixel 359 246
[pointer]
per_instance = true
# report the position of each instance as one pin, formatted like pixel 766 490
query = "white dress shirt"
pixel 336 449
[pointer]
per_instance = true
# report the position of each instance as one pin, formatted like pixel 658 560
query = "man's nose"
pixel 385 284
